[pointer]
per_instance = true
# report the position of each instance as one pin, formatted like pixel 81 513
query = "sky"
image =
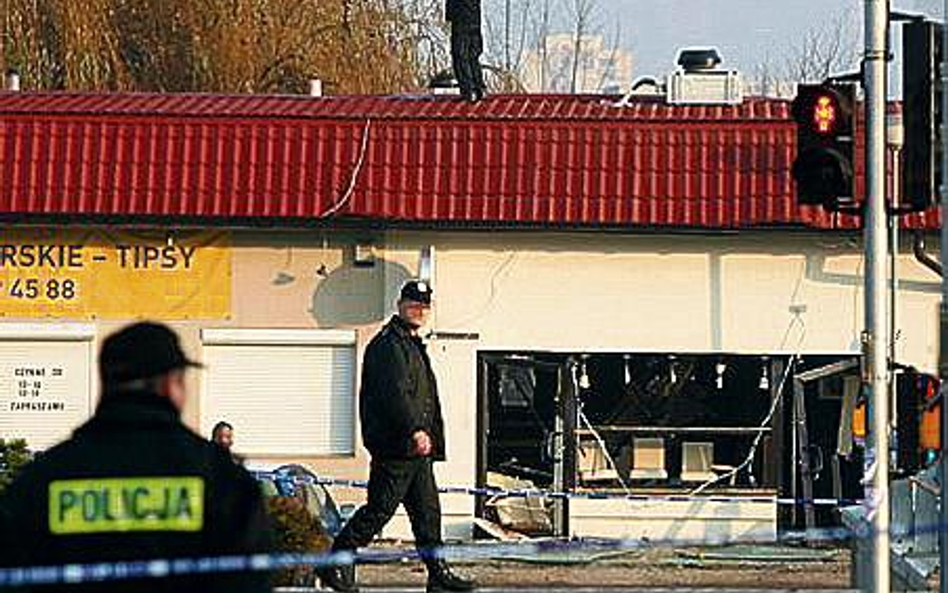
pixel 746 32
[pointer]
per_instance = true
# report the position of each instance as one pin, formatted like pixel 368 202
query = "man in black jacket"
pixel 403 431
pixel 467 45
pixel 134 483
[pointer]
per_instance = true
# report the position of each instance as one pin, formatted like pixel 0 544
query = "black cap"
pixel 417 291
pixel 141 351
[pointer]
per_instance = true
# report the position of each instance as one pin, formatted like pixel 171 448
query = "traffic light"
pixel 921 114
pixel 823 169
pixel 918 413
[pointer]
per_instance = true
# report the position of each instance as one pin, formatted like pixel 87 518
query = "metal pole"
pixel 895 139
pixel 876 250
pixel 894 290
pixel 943 356
pixel 893 222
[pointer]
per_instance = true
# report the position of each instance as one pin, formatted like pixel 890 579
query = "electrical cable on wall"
pixel 492 295
pixel 347 195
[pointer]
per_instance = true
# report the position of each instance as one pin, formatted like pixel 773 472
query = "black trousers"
pixel 410 482
pixel 467 45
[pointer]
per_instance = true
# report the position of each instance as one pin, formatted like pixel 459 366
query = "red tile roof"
pixel 578 161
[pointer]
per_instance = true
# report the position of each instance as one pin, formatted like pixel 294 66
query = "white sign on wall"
pixel 45 382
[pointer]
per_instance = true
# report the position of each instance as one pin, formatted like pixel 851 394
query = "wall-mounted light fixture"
pixel 363 255
pixel 584 381
pixel 719 368
pixel 426 264
pixel 764 374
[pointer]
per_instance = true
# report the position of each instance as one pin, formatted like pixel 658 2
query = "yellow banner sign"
pixel 65 273
pixel 116 505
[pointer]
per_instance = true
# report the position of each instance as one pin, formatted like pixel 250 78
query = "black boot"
pixel 441 578
pixel 339 578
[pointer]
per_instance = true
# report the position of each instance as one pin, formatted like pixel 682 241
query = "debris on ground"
pixel 531 515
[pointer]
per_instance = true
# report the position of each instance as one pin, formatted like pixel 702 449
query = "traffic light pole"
pixel 875 337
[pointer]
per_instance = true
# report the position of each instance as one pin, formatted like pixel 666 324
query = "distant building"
pixel 549 67
pixel 764 84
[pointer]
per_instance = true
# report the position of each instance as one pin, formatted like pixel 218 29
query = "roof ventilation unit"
pixel 444 83
pixel 698 81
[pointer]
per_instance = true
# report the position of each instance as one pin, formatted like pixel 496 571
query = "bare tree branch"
pixel 609 70
pixel 581 16
pixel 823 50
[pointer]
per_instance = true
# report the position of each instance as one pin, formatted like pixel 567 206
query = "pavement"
pixel 579 590
pixel 749 569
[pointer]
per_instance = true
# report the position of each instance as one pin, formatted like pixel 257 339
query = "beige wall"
pixel 731 293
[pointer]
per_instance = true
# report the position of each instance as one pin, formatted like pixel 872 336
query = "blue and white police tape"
pixel 157 568
pixel 584 494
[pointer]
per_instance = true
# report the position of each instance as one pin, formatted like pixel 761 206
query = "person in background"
pixel 467 45
pixel 223 435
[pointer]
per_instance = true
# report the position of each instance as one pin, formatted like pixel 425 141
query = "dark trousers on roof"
pixel 392 482
pixel 467 45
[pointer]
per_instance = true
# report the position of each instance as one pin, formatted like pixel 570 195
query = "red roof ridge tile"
pixel 406 106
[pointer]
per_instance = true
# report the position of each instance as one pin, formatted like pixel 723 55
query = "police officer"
pixel 134 483
pixel 467 45
pixel 404 433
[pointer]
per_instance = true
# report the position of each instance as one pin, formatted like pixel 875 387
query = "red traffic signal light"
pixel 824 114
pixel 825 109
pixel 823 169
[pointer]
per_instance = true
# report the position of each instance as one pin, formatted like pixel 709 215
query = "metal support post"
pixel 877 342
pixel 895 139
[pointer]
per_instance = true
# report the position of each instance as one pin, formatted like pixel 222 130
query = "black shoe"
pixel 441 578
pixel 338 578
pixel 480 95
pixel 469 97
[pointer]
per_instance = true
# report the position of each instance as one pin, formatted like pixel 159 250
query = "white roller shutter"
pixel 286 392
pixel 45 381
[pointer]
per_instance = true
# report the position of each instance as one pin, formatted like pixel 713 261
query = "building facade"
pixel 599 68
pixel 275 232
